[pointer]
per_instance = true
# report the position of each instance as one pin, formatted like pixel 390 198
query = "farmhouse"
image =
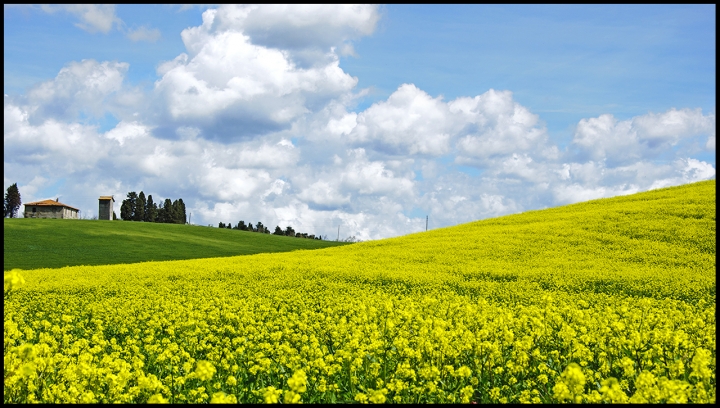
pixel 50 209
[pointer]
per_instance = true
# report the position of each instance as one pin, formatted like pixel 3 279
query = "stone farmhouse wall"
pixel 43 211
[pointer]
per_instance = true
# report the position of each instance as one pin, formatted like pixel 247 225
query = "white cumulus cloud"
pixel 79 87
pixel 640 138
pixel 227 81
pixel 127 131
pixel 495 126
pixel 372 177
pixel 409 122
pixel 306 31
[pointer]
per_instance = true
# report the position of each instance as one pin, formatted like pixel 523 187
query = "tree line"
pixel 288 232
pixel 138 208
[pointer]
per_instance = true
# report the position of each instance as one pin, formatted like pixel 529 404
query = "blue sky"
pixel 39 44
pixel 570 103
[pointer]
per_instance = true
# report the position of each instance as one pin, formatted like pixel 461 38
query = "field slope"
pixel 611 300
pixel 49 243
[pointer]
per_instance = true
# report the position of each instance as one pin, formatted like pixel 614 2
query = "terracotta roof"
pixel 51 203
pixel 107 198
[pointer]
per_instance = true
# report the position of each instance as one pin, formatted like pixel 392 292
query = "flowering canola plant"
pixel 611 300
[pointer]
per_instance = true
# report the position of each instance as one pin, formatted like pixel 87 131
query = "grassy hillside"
pixel 610 300
pixel 50 243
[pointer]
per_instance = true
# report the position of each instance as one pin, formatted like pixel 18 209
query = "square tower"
pixel 106 209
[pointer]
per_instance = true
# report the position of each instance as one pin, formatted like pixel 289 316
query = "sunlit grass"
pixel 50 243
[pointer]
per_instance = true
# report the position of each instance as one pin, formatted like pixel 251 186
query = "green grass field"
pixel 49 243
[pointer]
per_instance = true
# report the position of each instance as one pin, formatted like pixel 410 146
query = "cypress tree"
pixel 150 210
pixel 127 209
pixel 167 211
pixel 178 212
pixel 175 212
pixel 139 214
pixel 182 216
pixel 160 215
pixel 12 201
pixel 130 210
pixel 156 211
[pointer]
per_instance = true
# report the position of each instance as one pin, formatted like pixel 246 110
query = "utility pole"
pixel 338 238
pixel 190 222
pixel 426 220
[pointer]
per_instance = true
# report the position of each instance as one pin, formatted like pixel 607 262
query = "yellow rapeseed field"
pixel 611 300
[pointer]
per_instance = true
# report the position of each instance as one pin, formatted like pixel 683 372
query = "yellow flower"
pixel 222 398
pixel 571 384
pixel 466 393
pixel 157 399
pixel 88 397
pixel 378 396
pixel 561 392
pixel 612 391
pixel 628 366
pixel 13 280
pixel 700 363
pixel 291 397
pixel 673 391
pixel 464 372
pixel 645 389
pixel 298 382
pixel 272 395
pixel 204 370
pixel 361 398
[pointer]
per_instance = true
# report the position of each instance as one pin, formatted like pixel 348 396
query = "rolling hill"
pixel 611 300
pixel 50 243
